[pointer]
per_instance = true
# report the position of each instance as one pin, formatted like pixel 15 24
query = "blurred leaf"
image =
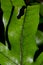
pixel 21 33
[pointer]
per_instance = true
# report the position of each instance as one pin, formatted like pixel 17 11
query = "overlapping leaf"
pixel 21 33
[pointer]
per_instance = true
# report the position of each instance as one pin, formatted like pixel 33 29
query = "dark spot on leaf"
pixel 21 12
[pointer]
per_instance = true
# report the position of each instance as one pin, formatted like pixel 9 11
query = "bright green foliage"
pixel 21 33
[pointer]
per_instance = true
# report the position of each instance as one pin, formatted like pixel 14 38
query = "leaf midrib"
pixel 21 40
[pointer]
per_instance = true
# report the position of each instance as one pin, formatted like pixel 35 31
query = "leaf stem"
pixel 21 41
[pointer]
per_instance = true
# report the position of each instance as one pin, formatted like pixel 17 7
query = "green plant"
pixel 21 33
